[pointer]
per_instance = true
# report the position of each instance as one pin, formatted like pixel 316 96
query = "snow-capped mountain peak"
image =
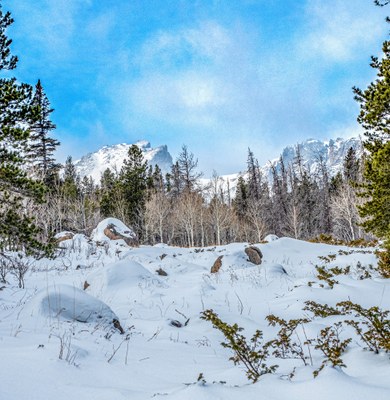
pixel 112 157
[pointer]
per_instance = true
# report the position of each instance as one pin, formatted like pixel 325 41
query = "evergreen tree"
pixel 108 183
pixel 71 179
pixel 308 205
pixel 377 207
pixel 241 198
pixel 17 229
pixel 335 183
pixel 42 147
pixel 158 180
pixel 280 198
pixel 375 118
pixel 133 181
pixel 324 216
pixel 254 177
pixel 175 184
pixel 351 166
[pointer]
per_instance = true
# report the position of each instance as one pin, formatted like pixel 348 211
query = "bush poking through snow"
pixel 288 344
pixel 327 275
pixel 384 263
pixel 373 327
pixel 320 310
pixel 15 264
pixel 253 353
pixel 332 347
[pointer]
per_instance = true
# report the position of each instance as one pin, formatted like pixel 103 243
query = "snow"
pixel 112 157
pixel 99 235
pixel 271 238
pixel 154 359
pixel 71 304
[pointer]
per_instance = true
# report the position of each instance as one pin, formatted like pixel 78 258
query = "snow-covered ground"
pixel 58 341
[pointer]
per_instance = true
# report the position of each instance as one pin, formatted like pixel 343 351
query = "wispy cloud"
pixel 338 31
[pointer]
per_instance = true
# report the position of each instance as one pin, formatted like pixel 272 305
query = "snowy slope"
pixel 53 355
pixel 94 164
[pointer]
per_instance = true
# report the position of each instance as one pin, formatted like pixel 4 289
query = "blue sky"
pixel 218 76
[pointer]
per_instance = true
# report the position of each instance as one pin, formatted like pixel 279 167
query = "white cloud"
pixel 101 26
pixel 205 42
pixel 338 30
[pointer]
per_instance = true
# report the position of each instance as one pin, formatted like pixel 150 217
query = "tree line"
pixel 179 208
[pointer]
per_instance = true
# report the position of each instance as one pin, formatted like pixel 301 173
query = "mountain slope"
pixel 332 152
pixel 94 164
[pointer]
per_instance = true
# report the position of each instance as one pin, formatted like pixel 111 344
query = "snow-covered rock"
pixel 65 235
pixel 114 229
pixel 69 303
pixel 123 275
pixel 271 238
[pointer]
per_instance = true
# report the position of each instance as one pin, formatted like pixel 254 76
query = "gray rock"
pixel 254 255
pixel 217 265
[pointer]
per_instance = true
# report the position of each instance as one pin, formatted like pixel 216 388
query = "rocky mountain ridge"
pixel 312 151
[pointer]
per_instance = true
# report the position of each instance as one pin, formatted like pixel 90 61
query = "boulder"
pixel 112 233
pixel 217 265
pixel 114 229
pixel 62 236
pixel 161 272
pixel 71 304
pixel 254 255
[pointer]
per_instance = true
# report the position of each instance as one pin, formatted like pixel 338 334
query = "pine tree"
pixel 42 147
pixel 375 118
pixel 254 177
pixel 71 179
pixel 133 181
pixel 241 198
pixel 175 184
pixel 17 229
pixel 377 207
pixel 108 183
pixel 351 166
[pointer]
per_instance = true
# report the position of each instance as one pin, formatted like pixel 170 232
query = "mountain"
pixel 332 152
pixel 94 164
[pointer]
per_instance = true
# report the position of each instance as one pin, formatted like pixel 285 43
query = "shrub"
pixel 320 310
pixel 286 345
pixel 252 354
pixel 327 239
pixel 373 326
pixel 330 344
pixel 384 263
